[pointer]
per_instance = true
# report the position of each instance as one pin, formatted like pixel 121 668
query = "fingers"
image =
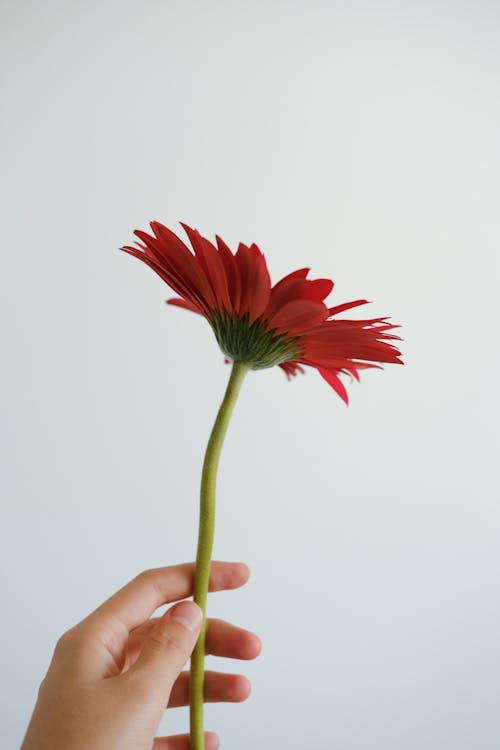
pixel 181 742
pixel 222 639
pixel 219 687
pixel 137 600
pixel 225 639
pixel 166 650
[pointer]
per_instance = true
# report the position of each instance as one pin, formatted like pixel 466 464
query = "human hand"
pixel 113 674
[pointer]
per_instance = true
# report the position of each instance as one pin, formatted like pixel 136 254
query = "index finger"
pixel 137 600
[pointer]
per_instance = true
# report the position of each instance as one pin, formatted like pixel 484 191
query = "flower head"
pixel 287 324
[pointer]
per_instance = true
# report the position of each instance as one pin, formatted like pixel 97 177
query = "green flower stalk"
pixel 205 544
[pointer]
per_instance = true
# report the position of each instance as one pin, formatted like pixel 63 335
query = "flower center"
pixel 255 344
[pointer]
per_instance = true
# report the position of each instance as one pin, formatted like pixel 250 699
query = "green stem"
pixel 205 542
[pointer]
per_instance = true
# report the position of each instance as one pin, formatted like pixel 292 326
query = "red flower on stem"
pixel 287 324
pixel 257 325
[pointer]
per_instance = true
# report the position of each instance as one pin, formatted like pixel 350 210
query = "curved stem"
pixel 205 542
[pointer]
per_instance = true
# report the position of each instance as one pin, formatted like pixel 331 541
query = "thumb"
pixel 168 647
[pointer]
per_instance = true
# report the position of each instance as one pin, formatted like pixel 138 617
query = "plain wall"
pixel 360 139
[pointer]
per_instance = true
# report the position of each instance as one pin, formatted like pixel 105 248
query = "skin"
pixel 113 674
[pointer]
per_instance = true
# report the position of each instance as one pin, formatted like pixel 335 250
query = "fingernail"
pixel 188 614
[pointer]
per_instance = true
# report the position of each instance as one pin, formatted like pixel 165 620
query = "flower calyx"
pixel 253 344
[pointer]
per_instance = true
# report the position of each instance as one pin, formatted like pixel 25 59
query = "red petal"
pixel 169 276
pixel 296 287
pixel 232 273
pixel 346 306
pixel 300 274
pixel 160 269
pixel 298 315
pixel 242 264
pixel 255 281
pixel 318 289
pixel 176 302
pixel 156 249
pixel 212 265
pixel 169 238
pixel 333 379
pixel 339 343
pixel 285 291
pixel 182 261
pixel 291 369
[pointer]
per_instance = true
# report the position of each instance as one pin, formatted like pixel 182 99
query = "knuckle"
pixel 149 578
pixel 65 641
pixel 72 643
pixel 145 575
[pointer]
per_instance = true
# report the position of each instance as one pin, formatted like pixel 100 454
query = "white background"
pixel 361 139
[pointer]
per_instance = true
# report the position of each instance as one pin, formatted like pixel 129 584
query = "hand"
pixel 113 674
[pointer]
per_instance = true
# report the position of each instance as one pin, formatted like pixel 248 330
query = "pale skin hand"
pixel 113 674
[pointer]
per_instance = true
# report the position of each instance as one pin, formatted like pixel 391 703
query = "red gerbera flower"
pixel 287 324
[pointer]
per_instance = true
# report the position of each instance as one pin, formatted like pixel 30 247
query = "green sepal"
pixel 256 345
